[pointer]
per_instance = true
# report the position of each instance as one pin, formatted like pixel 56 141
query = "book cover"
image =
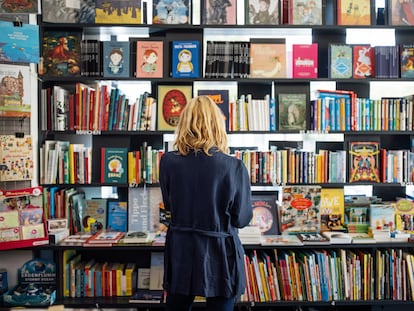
pixel 268 58
pixel 382 216
pixel 261 12
pixel 313 239
pixel 337 237
pixel 27 6
pixel 138 209
pixel 60 11
pixel 354 12
pixel 19 199
pixel 357 215
pixel 305 61
pixel 61 52
pixel 340 61
pixel 171 12
pixel 94 216
pixel 149 63
pixel 401 13
pixel 117 216
pixel 118 12
pixel 221 12
pixel 404 216
pixel 105 237
pixel 156 271
pixel 305 12
pixel 15 90
pixel 146 296
pixel 114 164
pixel 292 112
pixel 363 61
pixel 221 98
pixel 332 209
pixel 265 214
pixel 16 156
pixel 171 101
pixel 407 61
pixel 185 59
pixel 280 239
pixel 19 44
pixel 364 161
pixel 31 215
pixel 116 59
pixel 300 209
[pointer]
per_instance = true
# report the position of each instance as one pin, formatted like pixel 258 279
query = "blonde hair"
pixel 201 127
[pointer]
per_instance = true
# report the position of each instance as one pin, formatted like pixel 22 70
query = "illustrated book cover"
pixel 357 214
pixel 61 11
pixel 305 12
pixel 105 237
pixel 280 239
pixel 299 211
pixel 27 6
pixel 292 112
pixel 16 154
pixel 185 59
pixel 364 161
pixel 15 91
pixel 336 237
pixel 354 12
pixel 117 216
pixel 407 61
pixel 404 215
pixel 61 52
pixel 268 58
pixel 265 214
pixel 174 12
pixel 149 62
pixel 313 239
pixel 382 216
pixel 171 101
pixel 305 61
pixel 19 44
pixel 116 59
pixel 118 12
pixel 332 209
pixel 222 12
pixel 114 164
pixel 261 12
pixel 95 214
pixel 401 13
pixel 221 98
pixel 363 61
pixel 340 61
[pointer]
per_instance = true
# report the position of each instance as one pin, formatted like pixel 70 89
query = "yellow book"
pixel 68 256
pixel 119 272
pixel 129 272
pixel 263 279
pixel 132 176
pixel 71 165
pixel 332 209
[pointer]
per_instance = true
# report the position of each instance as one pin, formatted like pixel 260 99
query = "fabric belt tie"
pixel 214 234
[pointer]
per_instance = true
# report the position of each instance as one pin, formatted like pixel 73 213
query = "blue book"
pixel 117 216
pixel 116 60
pixel 185 59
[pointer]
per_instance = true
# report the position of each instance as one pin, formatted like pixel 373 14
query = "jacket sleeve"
pixel 165 212
pixel 242 210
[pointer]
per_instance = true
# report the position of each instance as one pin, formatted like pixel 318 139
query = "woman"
pixel 208 195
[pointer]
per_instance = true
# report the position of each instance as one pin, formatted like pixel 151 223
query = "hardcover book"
pixel 354 12
pixel 305 61
pixel 404 215
pixel 340 61
pixel 364 161
pixel 185 59
pixel 313 239
pixel 94 216
pixel 280 239
pixel 265 214
pixel 60 11
pixel 28 6
pixel 222 12
pixel 116 59
pixel 149 63
pixel 305 12
pixel 407 61
pixel 221 98
pixel 268 58
pixel 171 12
pixel 171 101
pixel 61 53
pixel 292 112
pixel 363 61
pixel 117 216
pixel 118 12
pixel 114 165
pixel 382 216
pixel 262 12
pixel 401 13
pixel 332 209
pixel 16 156
pixel 138 210
pixel 105 237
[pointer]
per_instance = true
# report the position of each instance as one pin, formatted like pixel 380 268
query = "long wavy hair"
pixel 201 127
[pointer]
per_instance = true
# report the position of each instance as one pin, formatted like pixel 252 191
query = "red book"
pixel 305 61
pixel 363 62
pixel 91 109
pixel 71 112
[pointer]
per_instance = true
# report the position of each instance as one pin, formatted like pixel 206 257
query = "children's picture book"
pixel 354 12
pixel 60 11
pixel 305 61
pixel 15 90
pixel 105 237
pixel 19 199
pixel 149 62
pixel 19 44
pixel 114 164
pixel 292 112
pixel 221 98
pixel 171 101
pixel 261 12
pixel 305 12
pixel 116 59
pixel 265 214
pixel 401 13
pixel 16 154
pixel 332 209
pixel 118 12
pixel 219 12
pixel 117 216
pixel 382 216
pixel 357 214
pixel 171 12
pixel 185 59
pixel 61 51
pixel 340 61
pixel 364 161
pixel 280 239
pixel 364 61
pixel 27 6
pixel 94 216
pixel 268 58
pixel 313 239
pixel 300 209
pixel 336 237
pixel 404 216
pixel 31 215
pixel 407 61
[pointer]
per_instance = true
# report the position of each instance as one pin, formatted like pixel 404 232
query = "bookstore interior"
pixel 318 97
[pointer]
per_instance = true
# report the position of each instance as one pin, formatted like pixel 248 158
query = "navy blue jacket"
pixel 209 197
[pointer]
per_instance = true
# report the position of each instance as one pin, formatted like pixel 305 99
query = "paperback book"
pixel 114 164
pixel 117 216
pixel 104 238
pixel 332 209
pixel 222 12
pixel 16 156
pixel 292 112
pixel 355 12
pixel 404 215
pixel 313 239
pixel 305 61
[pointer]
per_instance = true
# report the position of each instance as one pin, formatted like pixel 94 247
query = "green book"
pixel 114 165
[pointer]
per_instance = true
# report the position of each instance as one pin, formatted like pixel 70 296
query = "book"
pixel 332 209
pixel 156 271
pixel 261 12
pixel 364 161
pixel 221 98
pixel 16 154
pixel 265 214
pixel 407 61
pixel 60 12
pixel 222 12
pixel 185 59
pixel 292 111
pixel 361 238
pixel 305 12
pixel 146 296
pixel 363 61
pixel 105 238
pixel 171 12
pixel 299 211
pixel 404 215
pixel 305 61
pixel 356 12
pixel 336 237
pixel 401 13
pixel 29 6
pixel 138 237
pixel 382 217
pixel 139 210
pixel 340 61
pixel 117 216
pixel 267 58
pixel 61 53
pixel 116 59
pixel 356 214
pixel 279 240
pixel 95 214
pixel 114 164
pixel 76 239
pixel 149 62
pixel 171 101
pixel 15 91
pixel 313 239
pixel 112 12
